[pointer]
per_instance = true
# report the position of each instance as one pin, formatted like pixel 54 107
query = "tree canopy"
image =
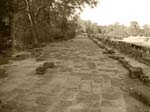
pixel 35 21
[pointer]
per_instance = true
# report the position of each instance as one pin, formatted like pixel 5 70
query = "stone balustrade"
pixel 141 53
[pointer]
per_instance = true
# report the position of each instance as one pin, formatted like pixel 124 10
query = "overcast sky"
pixel 122 11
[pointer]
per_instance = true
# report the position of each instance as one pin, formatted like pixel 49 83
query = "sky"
pixel 122 11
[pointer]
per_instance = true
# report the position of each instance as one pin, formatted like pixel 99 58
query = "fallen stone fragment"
pixel 135 72
pixel 41 70
pixel 3 73
pixel 49 65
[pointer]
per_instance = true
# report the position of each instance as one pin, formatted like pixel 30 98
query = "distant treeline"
pixel 116 29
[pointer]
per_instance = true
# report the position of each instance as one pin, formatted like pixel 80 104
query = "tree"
pixel 134 28
pixel 146 30
pixel 89 27
pixel 5 27
pixel 43 20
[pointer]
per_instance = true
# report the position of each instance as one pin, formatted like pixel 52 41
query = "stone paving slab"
pixel 84 80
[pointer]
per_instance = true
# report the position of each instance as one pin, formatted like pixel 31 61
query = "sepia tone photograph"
pixel 74 56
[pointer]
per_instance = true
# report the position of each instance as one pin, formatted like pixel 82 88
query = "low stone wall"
pixel 138 52
pixel 140 93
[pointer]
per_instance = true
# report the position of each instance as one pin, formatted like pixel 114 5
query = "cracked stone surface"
pixel 84 80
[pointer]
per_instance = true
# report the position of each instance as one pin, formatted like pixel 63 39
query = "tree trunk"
pixel 32 22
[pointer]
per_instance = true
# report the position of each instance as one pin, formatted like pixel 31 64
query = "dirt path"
pixel 84 80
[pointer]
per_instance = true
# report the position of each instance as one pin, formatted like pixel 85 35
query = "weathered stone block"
pixel 135 72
